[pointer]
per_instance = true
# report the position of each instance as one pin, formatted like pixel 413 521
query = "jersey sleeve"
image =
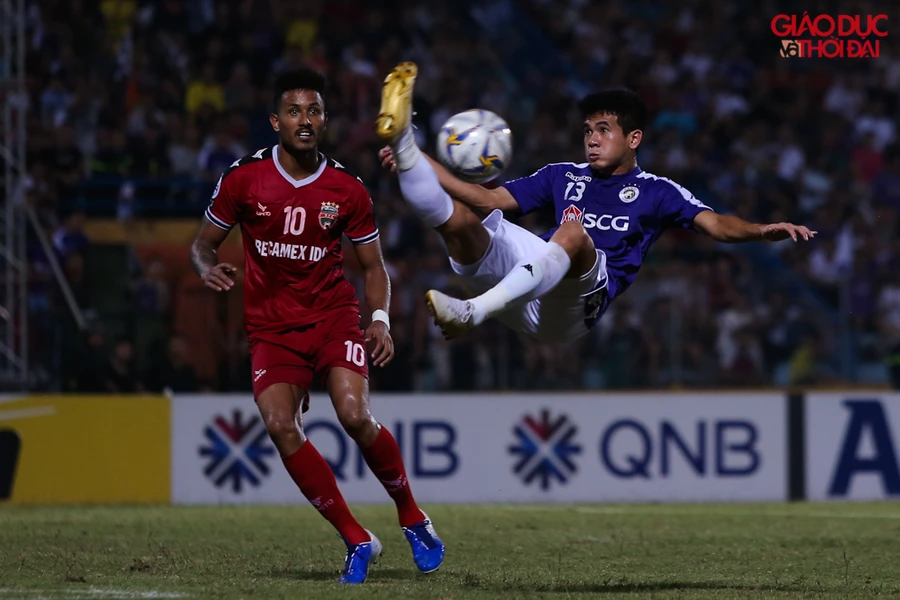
pixel 361 228
pixel 678 207
pixel 532 192
pixel 223 207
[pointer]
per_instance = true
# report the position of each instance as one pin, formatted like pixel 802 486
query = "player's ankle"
pixel 483 308
pixel 406 151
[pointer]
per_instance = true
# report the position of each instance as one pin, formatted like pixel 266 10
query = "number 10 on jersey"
pixel 294 219
pixel 356 354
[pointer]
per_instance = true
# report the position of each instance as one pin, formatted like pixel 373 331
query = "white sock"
pixel 529 279
pixel 419 183
pixel 406 151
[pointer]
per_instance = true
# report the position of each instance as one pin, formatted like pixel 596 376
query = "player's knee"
pixel 574 239
pixel 577 243
pixel 572 236
pixel 357 422
pixel 282 427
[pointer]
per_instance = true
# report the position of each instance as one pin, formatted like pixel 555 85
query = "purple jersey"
pixel 623 214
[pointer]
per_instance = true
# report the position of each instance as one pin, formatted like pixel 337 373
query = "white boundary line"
pixel 92 592
pixel 703 512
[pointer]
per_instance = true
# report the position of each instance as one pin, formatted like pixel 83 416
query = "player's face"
pixel 605 144
pixel 301 120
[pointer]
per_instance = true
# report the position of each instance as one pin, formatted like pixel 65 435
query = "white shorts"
pixel 565 313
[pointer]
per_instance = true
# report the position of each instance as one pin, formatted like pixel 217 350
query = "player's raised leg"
pixel 569 253
pixel 349 392
pixel 280 407
pixel 466 238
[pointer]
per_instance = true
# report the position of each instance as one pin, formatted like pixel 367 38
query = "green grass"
pixel 650 551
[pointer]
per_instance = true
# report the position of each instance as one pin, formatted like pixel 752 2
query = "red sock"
pixel 315 479
pixel 384 458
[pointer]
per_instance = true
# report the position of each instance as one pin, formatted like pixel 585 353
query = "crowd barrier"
pixel 462 448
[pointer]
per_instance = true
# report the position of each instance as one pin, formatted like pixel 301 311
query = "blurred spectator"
pixel 235 367
pixel 89 365
pixel 886 182
pixel 867 159
pixel 810 363
pixel 218 154
pixel 622 352
pixel 205 91
pixel 171 371
pixel 874 121
pixel 152 291
pixel 893 362
pixel 70 237
pixel 121 377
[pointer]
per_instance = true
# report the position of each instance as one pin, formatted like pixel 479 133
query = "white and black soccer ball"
pixel 475 145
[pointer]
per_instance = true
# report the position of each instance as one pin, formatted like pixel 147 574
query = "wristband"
pixel 380 315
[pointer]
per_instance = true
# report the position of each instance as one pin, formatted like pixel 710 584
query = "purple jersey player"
pixel 609 212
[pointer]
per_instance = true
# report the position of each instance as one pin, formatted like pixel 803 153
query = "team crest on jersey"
pixel 573 213
pixel 218 187
pixel 328 214
pixel 629 193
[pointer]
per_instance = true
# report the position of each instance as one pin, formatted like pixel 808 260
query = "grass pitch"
pixel 650 551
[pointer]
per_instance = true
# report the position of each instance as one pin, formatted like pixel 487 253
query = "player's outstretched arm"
pixel 476 196
pixel 215 275
pixel 732 229
pixel 378 297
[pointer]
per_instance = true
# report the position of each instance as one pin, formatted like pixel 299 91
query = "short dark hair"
pixel 629 109
pixel 297 79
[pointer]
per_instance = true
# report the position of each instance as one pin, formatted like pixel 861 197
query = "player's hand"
pixel 383 353
pixel 220 277
pixel 386 156
pixel 775 232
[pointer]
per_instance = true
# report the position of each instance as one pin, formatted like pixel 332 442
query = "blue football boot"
pixel 359 557
pixel 427 548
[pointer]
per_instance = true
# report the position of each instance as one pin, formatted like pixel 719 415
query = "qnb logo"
pixel 545 449
pixel 236 451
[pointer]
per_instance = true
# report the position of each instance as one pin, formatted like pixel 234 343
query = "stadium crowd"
pixel 136 107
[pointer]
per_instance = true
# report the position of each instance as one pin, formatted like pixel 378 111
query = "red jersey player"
pixel 302 318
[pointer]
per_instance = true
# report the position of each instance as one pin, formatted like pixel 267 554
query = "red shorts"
pixel 298 355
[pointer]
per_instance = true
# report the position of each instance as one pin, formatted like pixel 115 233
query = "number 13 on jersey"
pixel 577 193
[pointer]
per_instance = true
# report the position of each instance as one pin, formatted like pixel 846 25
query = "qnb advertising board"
pixel 515 448
pixel 852 446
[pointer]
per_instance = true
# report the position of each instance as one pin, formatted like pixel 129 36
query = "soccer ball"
pixel 475 145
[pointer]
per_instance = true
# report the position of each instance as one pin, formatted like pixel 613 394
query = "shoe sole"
pixel 449 330
pixel 377 555
pixel 430 571
pixel 395 113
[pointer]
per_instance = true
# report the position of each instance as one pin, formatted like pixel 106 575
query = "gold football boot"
pixel 396 102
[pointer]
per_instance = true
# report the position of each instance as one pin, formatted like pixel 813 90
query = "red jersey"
pixel 292 231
